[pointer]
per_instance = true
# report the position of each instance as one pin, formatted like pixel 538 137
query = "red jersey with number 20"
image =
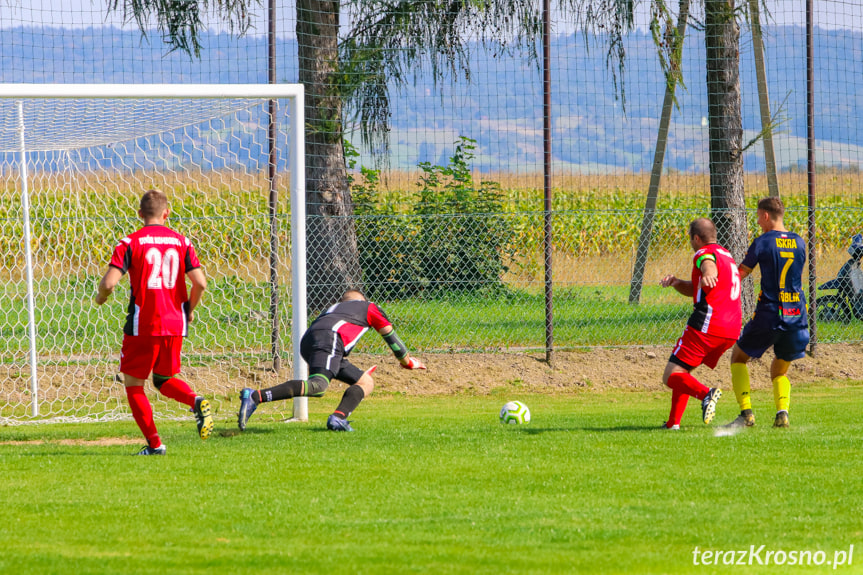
pixel 716 310
pixel 157 259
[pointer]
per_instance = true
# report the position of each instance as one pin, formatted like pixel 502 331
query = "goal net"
pixel 74 161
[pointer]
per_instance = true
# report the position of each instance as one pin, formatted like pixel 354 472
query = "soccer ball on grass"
pixel 514 412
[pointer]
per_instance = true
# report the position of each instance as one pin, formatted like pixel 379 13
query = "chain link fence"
pixel 422 266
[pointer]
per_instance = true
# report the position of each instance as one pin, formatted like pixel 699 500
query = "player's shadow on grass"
pixel 622 428
pixel 248 431
pixel 532 430
pixel 540 430
pixel 107 450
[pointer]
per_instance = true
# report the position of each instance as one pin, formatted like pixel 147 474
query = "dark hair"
pixel 153 203
pixel 351 295
pixel 772 206
pixel 704 229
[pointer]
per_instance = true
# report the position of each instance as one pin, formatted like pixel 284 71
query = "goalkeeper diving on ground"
pixel 325 347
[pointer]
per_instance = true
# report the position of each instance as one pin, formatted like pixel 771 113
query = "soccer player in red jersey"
pixel 325 347
pixel 158 260
pixel 713 326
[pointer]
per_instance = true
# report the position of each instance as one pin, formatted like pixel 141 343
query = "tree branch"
pixel 180 22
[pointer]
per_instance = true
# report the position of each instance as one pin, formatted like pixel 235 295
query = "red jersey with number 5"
pixel 157 259
pixel 717 309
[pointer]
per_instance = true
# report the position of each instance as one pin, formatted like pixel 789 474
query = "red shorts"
pixel 143 354
pixel 695 348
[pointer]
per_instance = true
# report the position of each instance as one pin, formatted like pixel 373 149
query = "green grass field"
pixel 437 485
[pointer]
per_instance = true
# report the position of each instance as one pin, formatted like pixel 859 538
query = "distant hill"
pixel 595 128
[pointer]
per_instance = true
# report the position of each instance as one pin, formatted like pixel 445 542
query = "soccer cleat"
pixel 745 419
pixel 781 419
pixel 247 407
pixel 203 417
pixel 338 424
pixel 147 450
pixel 708 404
pixel 672 428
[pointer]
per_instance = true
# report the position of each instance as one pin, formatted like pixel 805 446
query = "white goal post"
pixel 93 148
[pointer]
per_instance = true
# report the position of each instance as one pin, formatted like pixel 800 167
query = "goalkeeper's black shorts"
pixel 325 353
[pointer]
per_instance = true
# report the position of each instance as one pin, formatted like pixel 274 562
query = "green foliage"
pixel 452 238
pixel 398 40
pixel 386 238
pixel 180 23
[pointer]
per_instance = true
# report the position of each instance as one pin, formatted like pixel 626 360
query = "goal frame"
pixel 293 93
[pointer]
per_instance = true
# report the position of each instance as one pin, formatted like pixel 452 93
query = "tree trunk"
pixel 332 258
pixel 726 133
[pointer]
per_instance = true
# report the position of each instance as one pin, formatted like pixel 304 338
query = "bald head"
pixel 353 295
pixel 704 229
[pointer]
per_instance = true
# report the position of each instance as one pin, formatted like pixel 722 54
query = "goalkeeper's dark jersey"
pixel 781 257
pixel 350 320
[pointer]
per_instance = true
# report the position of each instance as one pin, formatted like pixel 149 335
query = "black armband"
pixel 397 345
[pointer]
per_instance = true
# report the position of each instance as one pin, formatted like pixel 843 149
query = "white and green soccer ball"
pixel 514 412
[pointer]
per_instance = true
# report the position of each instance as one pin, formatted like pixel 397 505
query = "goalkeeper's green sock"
pixel 287 390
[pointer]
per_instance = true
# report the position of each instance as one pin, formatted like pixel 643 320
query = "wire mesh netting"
pixel 86 172
pixel 426 188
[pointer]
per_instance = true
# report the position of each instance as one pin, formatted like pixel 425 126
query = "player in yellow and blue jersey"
pixel 780 319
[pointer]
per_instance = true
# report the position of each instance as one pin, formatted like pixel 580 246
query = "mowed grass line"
pixel 436 485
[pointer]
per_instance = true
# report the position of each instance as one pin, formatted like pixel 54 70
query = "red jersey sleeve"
pixel 377 318
pixel 122 256
pixel 191 262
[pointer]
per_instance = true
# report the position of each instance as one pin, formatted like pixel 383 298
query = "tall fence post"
pixel 810 163
pixel 546 168
pixel 274 194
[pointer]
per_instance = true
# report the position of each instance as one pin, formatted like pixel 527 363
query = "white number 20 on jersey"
pixel 164 269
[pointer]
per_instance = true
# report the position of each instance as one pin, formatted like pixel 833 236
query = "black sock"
pixel 350 400
pixel 287 390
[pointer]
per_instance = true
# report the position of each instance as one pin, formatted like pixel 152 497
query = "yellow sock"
pixel 782 392
pixel 740 381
